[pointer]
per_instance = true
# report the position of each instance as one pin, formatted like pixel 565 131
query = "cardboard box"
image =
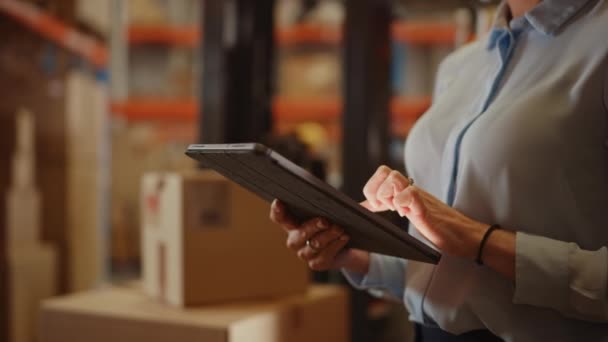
pixel 314 74
pixel 126 315
pixel 84 219
pixel 206 239
pixel 137 148
pixel 23 197
pixel 87 178
pixel 30 264
pixel 32 271
pixel 23 215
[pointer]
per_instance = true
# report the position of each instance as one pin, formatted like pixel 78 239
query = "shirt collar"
pixel 548 17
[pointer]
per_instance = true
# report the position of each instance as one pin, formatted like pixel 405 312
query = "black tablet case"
pixel 269 175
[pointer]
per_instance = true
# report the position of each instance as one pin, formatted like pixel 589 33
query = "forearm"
pixel 546 272
pixel 498 251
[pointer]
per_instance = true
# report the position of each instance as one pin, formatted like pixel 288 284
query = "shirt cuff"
pixel 560 275
pixel 541 271
pixel 589 282
pixel 366 281
pixel 384 278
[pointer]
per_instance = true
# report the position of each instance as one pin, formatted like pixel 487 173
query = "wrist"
pixel 475 234
pixel 357 261
pixel 499 252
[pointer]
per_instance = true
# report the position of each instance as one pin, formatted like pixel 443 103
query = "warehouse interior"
pixel 107 230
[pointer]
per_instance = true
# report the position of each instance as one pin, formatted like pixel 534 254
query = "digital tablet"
pixel 269 175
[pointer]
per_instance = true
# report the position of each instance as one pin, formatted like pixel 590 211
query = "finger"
pixel 394 183
pixel 326 257
pixel 321 240
pixel 296 239
pixel 371 188
pixel 409 202
pixel 280 216
pixel 306 253
pixel 369 207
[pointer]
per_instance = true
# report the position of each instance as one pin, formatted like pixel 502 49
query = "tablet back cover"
pixel 270 176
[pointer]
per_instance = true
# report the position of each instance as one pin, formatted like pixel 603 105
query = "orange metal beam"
pixel 287 112
pixel 141 109
pixel 307 109
pixel 405 32
pixel 159 34
pixel 56 31
pixel 309 34
pixel 326 109
pixel 407 108
pixel 284 109
pixel 424 33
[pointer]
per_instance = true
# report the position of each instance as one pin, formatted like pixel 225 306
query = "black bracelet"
pixel 483 242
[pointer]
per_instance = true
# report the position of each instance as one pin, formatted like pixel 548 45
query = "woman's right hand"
pixel 319 243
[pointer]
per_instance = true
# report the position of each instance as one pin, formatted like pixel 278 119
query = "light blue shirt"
pixel 517 135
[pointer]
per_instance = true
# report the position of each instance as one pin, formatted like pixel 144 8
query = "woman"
pixel 517 137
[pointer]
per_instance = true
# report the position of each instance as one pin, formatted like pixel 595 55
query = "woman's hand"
pixel 448 229
pixel 319 243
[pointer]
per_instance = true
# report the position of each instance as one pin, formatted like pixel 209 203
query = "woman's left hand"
pixel 448 229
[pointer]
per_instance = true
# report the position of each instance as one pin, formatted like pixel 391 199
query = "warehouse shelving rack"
pixel 284 108
pixel 366 39
pixel 244 56
pixel 186 109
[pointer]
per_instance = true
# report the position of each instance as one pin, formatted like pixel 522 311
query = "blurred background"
pixel 96 94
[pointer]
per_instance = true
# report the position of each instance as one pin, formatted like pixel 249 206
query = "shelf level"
pixel 284 109
pixel 308 34
pixel 330 109
pixel 424 33
pixel 166 35
pixel 420 33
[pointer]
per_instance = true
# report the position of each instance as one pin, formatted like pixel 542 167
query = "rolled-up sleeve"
pixel 385 277
pixel 562 276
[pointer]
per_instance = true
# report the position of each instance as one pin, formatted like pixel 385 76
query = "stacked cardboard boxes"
pixel 205 240
pixel 86 152
pixel 126 314
pixel 137 148
pixel 215 269
pixel 31 264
